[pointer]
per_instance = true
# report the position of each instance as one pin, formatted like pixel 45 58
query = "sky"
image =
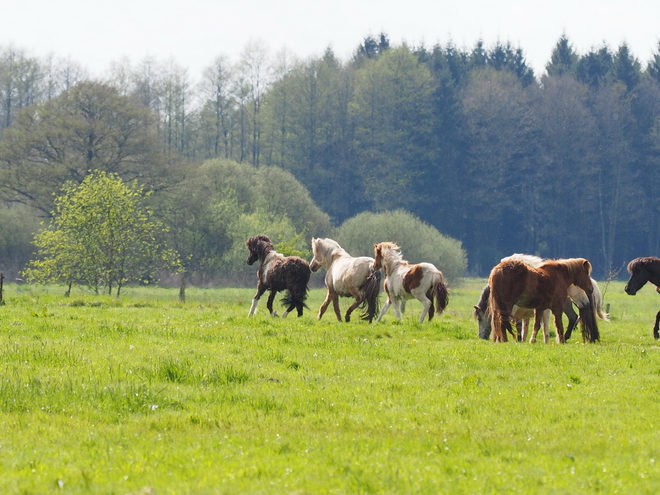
pixel 192 33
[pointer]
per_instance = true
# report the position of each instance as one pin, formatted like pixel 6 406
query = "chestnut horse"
pixel 514 283
pixel 346 276
pixel 642 270
pixel 277 273
pixel 404 281
pixel 575 294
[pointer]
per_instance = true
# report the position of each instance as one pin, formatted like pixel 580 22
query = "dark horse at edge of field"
pixel 514 283
pixel 277 273
pixel 642 270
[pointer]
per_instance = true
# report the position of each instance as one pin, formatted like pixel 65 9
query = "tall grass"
pixel 143 394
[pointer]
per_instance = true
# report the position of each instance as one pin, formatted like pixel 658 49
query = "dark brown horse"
pixel 642 270
pixel 277 273
pixel 514 283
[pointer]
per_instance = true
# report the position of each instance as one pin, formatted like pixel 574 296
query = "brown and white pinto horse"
pixel 404 281
pixel 642 270
pixel 346 276
pixel 277 273
pixel 514 283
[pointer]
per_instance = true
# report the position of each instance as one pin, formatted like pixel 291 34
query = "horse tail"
pixel 441 294
pixel 598 303
pixel 297 289
pixel 498 320
pixel 370 291
pixel 588 323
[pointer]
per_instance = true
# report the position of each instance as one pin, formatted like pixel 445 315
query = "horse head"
pixel 383 251
pixel 579 270
pixel 639 274
pixel 258 246
pixel 482 314
pixel 317 260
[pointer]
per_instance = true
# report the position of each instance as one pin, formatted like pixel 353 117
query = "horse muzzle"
pixel 314 265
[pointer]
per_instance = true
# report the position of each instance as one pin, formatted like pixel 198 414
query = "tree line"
pixel 471 141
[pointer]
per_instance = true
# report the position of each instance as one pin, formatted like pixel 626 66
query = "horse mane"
pixel 394 251
pixel 643 262
pixel 260 244
pixel 573 266
pixel 528 259
pixel 328 246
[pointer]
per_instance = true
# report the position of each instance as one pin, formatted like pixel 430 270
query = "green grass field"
pixel 142 394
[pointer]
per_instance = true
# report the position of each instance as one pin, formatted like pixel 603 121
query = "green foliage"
pixel 419 241
pixel 89 127
pixel 101 236
pixel 212 214
pixel 17 227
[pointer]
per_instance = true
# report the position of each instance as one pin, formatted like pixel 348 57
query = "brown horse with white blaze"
pixel 403 281
pixel 514 283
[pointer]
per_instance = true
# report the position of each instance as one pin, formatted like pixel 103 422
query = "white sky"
pixel 194 32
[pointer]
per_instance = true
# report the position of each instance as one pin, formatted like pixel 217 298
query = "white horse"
pixel 404 281
pixel 347 277
pixel 577 295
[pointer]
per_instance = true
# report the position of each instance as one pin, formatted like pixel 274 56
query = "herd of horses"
pixel 519 287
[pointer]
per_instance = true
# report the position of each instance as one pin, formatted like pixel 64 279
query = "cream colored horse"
pixel 346 277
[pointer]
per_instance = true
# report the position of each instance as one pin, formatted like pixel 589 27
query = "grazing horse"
pixel 277 273
pixel 346 276
pixel 404 281
pixel 514 283
pixel 575 294
pixel 642 270
pixel 522 317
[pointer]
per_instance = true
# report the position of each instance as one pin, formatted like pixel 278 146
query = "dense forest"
pixel 471 141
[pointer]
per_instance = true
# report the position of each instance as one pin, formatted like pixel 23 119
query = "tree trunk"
pixel 182 288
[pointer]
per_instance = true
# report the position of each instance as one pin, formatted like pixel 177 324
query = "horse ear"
pixel 587 266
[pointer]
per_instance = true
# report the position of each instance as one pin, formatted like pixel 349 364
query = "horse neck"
pixel 392 263
pixel 653 269
pixel 269 256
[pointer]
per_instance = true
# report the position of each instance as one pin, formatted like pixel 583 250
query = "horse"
pixel 278 273
pixel 514 283
pixel 575 294
pixel 346 276
pixel 522 317
pixel 404 281
pixel 642 270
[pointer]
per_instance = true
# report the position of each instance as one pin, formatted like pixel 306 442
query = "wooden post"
pixel 2 284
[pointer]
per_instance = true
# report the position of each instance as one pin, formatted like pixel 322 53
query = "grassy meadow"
pixel 144 395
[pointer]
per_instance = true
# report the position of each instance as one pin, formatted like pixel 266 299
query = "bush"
pixel 418 240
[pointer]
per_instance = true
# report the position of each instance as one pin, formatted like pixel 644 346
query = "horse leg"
pixel 546 326
pixel 558 313
pixel 426 302
pixel 269 302
pixel 358 300
pixel 255 300
pixel 324 306
pixel 572 318
pixel 386 306
pixel 519 330
pixel 524 330
pixel 656 327
pixel 397 308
